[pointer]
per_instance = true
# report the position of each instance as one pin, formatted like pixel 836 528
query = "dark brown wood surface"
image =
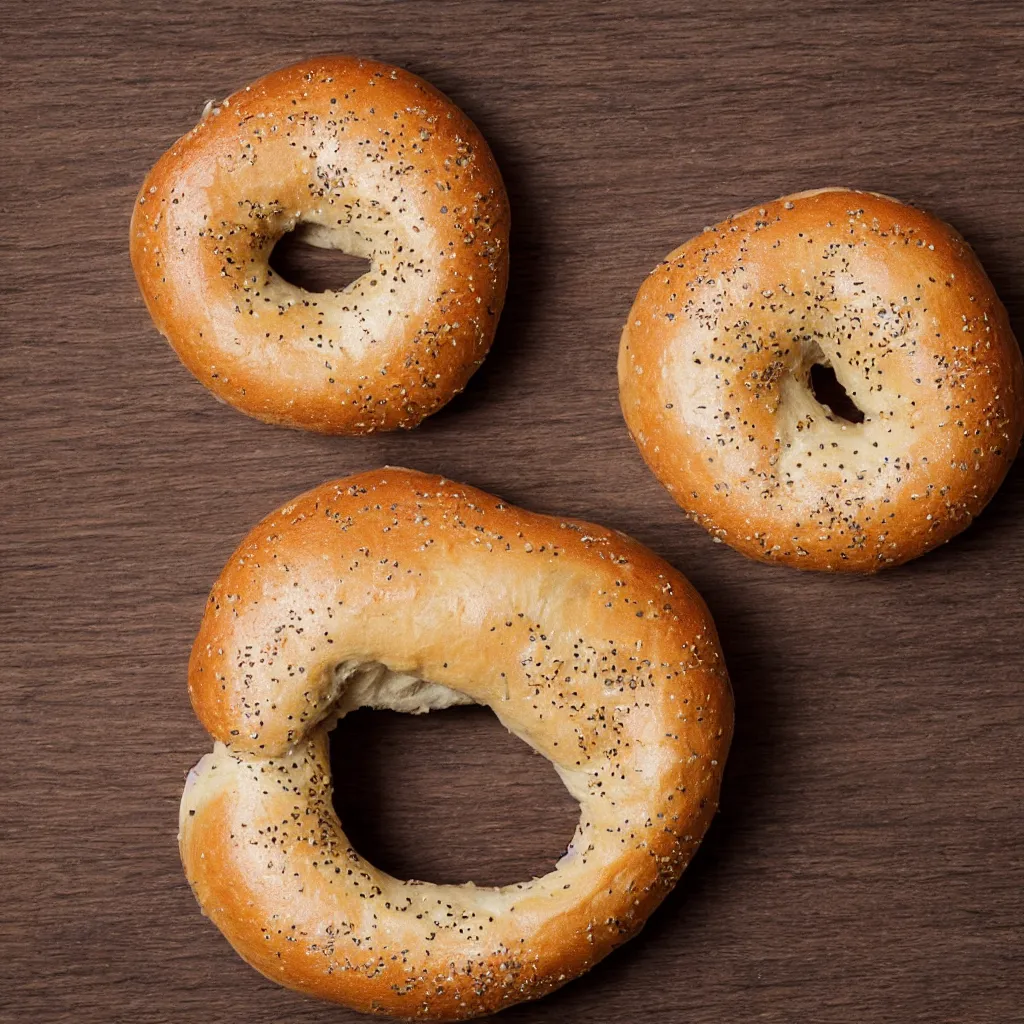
pixel 868 861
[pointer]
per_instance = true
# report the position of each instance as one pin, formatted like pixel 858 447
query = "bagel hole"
pixel 829 392
pixel 448 797
pixel 314 268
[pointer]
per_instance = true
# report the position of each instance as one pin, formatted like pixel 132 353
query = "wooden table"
pixel 867 863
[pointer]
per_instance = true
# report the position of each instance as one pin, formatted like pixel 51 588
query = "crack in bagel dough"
pixel 353 155
pixel 714 381
pixel 396 589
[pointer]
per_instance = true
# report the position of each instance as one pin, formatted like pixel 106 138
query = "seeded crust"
pixel 359 156
pixel 583 643
pixel 713 377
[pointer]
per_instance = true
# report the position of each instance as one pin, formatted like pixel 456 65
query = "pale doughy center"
pixel 364 311
pixel 362 213
pixel 816 450
pixel 817 444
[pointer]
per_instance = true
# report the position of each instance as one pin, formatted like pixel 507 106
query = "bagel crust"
pixel 353 155
pixel 714 381
pixel 395 589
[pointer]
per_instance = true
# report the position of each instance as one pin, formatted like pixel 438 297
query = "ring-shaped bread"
pixel 395 589
pixel 715 379
pixel 353 155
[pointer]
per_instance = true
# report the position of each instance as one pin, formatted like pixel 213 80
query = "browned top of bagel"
pixel 356 155
pixel 714 380
pixel 399 589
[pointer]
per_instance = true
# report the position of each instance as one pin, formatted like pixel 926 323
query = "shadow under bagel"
pixel 314 268
pixel 448 797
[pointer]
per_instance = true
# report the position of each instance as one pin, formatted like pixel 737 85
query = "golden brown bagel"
pixel 395 589
pixel 358 156
pixel 714 380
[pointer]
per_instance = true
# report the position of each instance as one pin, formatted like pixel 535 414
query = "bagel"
pixel 353 155
pixel 715 381
pixel 395 589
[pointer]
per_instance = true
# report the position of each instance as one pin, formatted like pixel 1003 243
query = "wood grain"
pixel 866 864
